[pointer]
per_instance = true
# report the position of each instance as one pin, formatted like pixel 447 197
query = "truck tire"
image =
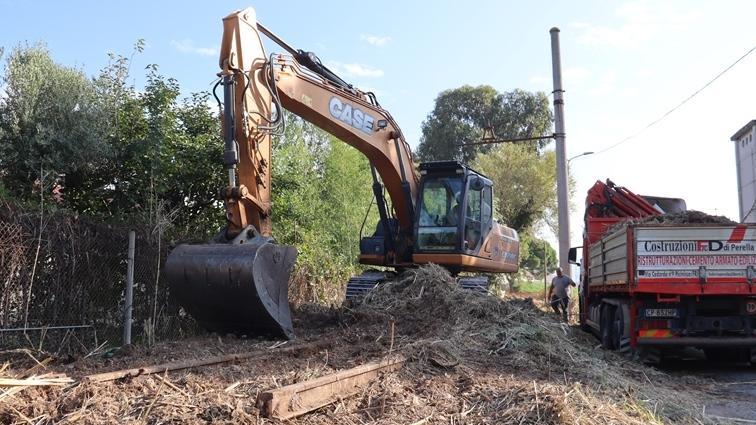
pixel 584 313
pixel 620 341
pixel 606 327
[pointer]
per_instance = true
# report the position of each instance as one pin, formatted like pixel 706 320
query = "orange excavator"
pixel 441 213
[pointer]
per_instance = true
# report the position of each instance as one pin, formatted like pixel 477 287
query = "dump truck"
pixel 656 277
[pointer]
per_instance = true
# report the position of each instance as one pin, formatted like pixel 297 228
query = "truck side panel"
pixel 608 260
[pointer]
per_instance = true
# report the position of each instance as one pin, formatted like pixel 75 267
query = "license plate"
pixel 661 312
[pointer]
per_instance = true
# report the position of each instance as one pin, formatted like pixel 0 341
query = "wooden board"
pixel 296 399
pixel 110 376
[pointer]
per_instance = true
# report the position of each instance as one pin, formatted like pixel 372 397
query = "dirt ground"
pixel 474 359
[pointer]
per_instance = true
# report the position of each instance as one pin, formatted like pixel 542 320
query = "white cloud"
pixel 375 40
pixel 355 69
pixel 639 22
pixel 187 46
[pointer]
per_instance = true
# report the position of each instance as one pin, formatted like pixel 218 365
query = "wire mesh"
pixel 62 284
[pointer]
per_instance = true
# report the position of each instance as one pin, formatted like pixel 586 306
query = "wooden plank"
pixel 146 370
pixel 42 364
pixel 34 381
pixel 297 399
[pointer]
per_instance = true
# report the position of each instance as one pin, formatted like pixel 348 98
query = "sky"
pixel 625 64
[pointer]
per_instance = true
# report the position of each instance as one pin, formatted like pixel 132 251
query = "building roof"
pixel 746 128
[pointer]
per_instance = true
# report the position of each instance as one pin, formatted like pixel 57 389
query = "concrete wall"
pixel 745 154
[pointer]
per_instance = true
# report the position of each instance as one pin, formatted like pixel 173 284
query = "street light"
pixel 578 156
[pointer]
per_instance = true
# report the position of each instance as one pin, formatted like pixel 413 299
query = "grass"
pixel 531 286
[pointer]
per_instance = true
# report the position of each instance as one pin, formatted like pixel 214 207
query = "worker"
pixel 452 217
pixel 559 293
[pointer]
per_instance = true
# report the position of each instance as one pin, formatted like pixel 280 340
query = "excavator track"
pixel 359 286
pixel 475 283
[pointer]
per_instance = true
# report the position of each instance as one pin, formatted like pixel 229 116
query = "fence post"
pixel 129 290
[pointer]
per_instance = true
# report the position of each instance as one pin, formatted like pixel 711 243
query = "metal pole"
pixel 563 206
pixel 545 268
pixel 129 290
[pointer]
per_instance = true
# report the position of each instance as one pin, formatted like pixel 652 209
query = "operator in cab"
pixel 559 293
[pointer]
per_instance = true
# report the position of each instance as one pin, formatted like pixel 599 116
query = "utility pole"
pixel 563 203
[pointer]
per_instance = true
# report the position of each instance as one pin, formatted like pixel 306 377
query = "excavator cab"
pixel 454 213
pixel 454 209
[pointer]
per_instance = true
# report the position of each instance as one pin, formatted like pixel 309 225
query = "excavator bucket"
pixel 235 288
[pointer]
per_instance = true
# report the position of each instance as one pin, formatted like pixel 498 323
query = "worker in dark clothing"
pixel 559 293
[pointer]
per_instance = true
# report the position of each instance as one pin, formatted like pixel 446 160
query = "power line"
pixel 666 114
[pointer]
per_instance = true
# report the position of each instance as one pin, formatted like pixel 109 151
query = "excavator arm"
pixel 299 83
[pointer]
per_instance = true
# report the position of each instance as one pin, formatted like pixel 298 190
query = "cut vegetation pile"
pixel 685 217
pixel 473 359
pixel 689 217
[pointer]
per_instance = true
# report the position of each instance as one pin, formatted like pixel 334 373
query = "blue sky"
pixel 625 64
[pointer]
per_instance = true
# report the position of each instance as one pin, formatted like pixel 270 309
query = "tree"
pixel 131 155
pixel 532 255
pixel 460 115
pixel 50 121
pixel 524 184
pixel 321 196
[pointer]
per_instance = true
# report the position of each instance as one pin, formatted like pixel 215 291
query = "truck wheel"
pixel 583 313
pixel 606 326
pixel 621 342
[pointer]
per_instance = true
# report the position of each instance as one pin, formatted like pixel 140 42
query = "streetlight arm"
pixel 578 156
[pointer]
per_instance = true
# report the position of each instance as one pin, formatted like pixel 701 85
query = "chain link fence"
pixel 63 280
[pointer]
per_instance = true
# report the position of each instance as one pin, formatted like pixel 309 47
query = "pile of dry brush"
pixel 551 364
pixel 474 359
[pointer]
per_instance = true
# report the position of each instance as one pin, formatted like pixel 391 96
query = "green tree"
pixel 460 115
pixel 524 184
pixel 165 154
pixel 50 121
pixel 347 195
pixel 321 194
pixel 131 154
pixel 532 252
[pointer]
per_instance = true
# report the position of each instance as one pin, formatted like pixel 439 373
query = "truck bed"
pixel 685 259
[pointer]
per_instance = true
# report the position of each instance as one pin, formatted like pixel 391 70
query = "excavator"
pixel 439 213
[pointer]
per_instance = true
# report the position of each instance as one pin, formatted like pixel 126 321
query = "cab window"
pixel 440 213
pixel 473 226
pixel 486 208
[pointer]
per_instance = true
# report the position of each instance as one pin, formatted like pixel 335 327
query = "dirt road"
pixel 736 389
